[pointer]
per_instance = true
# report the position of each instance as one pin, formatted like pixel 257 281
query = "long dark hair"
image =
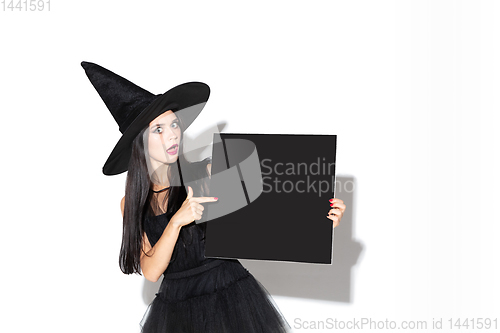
pixel 138 196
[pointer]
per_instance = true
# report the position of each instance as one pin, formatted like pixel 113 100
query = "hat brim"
pixel 190 97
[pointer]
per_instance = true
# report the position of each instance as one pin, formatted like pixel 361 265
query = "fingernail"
pixel 331 200
pixel 216 198
pixel 331 205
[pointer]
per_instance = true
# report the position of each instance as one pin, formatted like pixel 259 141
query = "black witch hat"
pixel 134 108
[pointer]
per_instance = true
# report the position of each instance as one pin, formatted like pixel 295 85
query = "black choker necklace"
pixel 166 188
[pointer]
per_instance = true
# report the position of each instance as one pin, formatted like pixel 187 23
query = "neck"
pixel 158 188
pixel 159 177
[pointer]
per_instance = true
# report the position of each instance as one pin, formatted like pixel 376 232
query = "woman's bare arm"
pixel 156 261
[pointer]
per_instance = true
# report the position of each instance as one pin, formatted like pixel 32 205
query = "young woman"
pixel 197 294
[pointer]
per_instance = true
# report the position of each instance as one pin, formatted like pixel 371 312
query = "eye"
pixel 158 130
pixel 175 124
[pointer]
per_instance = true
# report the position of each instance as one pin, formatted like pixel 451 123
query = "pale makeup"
pixel 163 134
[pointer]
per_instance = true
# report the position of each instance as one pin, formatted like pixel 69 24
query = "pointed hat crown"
pixel 124 99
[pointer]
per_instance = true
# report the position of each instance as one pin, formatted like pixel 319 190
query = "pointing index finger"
pixel 204 199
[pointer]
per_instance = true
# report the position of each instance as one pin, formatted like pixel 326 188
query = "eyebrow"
pixel 157 125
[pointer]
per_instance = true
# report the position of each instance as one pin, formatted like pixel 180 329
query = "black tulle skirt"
pixel 219 297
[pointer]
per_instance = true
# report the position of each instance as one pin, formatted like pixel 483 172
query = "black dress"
pixel 199 294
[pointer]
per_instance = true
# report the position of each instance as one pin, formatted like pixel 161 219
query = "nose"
pixel 171 135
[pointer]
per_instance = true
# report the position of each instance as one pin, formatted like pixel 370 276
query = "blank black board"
pixel 287 221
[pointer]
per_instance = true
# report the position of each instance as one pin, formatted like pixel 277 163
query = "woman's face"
pixel 164 139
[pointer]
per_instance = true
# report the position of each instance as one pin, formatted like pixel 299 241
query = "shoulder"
pixel 205 165
pixel 208 162
pixel 209 168
pixel 122 205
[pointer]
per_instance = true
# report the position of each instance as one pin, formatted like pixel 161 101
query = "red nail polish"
pixel 331 200
pixel 216 198
pixel 331 205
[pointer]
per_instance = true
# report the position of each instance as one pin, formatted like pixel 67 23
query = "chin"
pixel 173 159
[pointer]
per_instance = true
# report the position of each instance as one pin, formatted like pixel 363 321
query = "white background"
pixel 410 88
